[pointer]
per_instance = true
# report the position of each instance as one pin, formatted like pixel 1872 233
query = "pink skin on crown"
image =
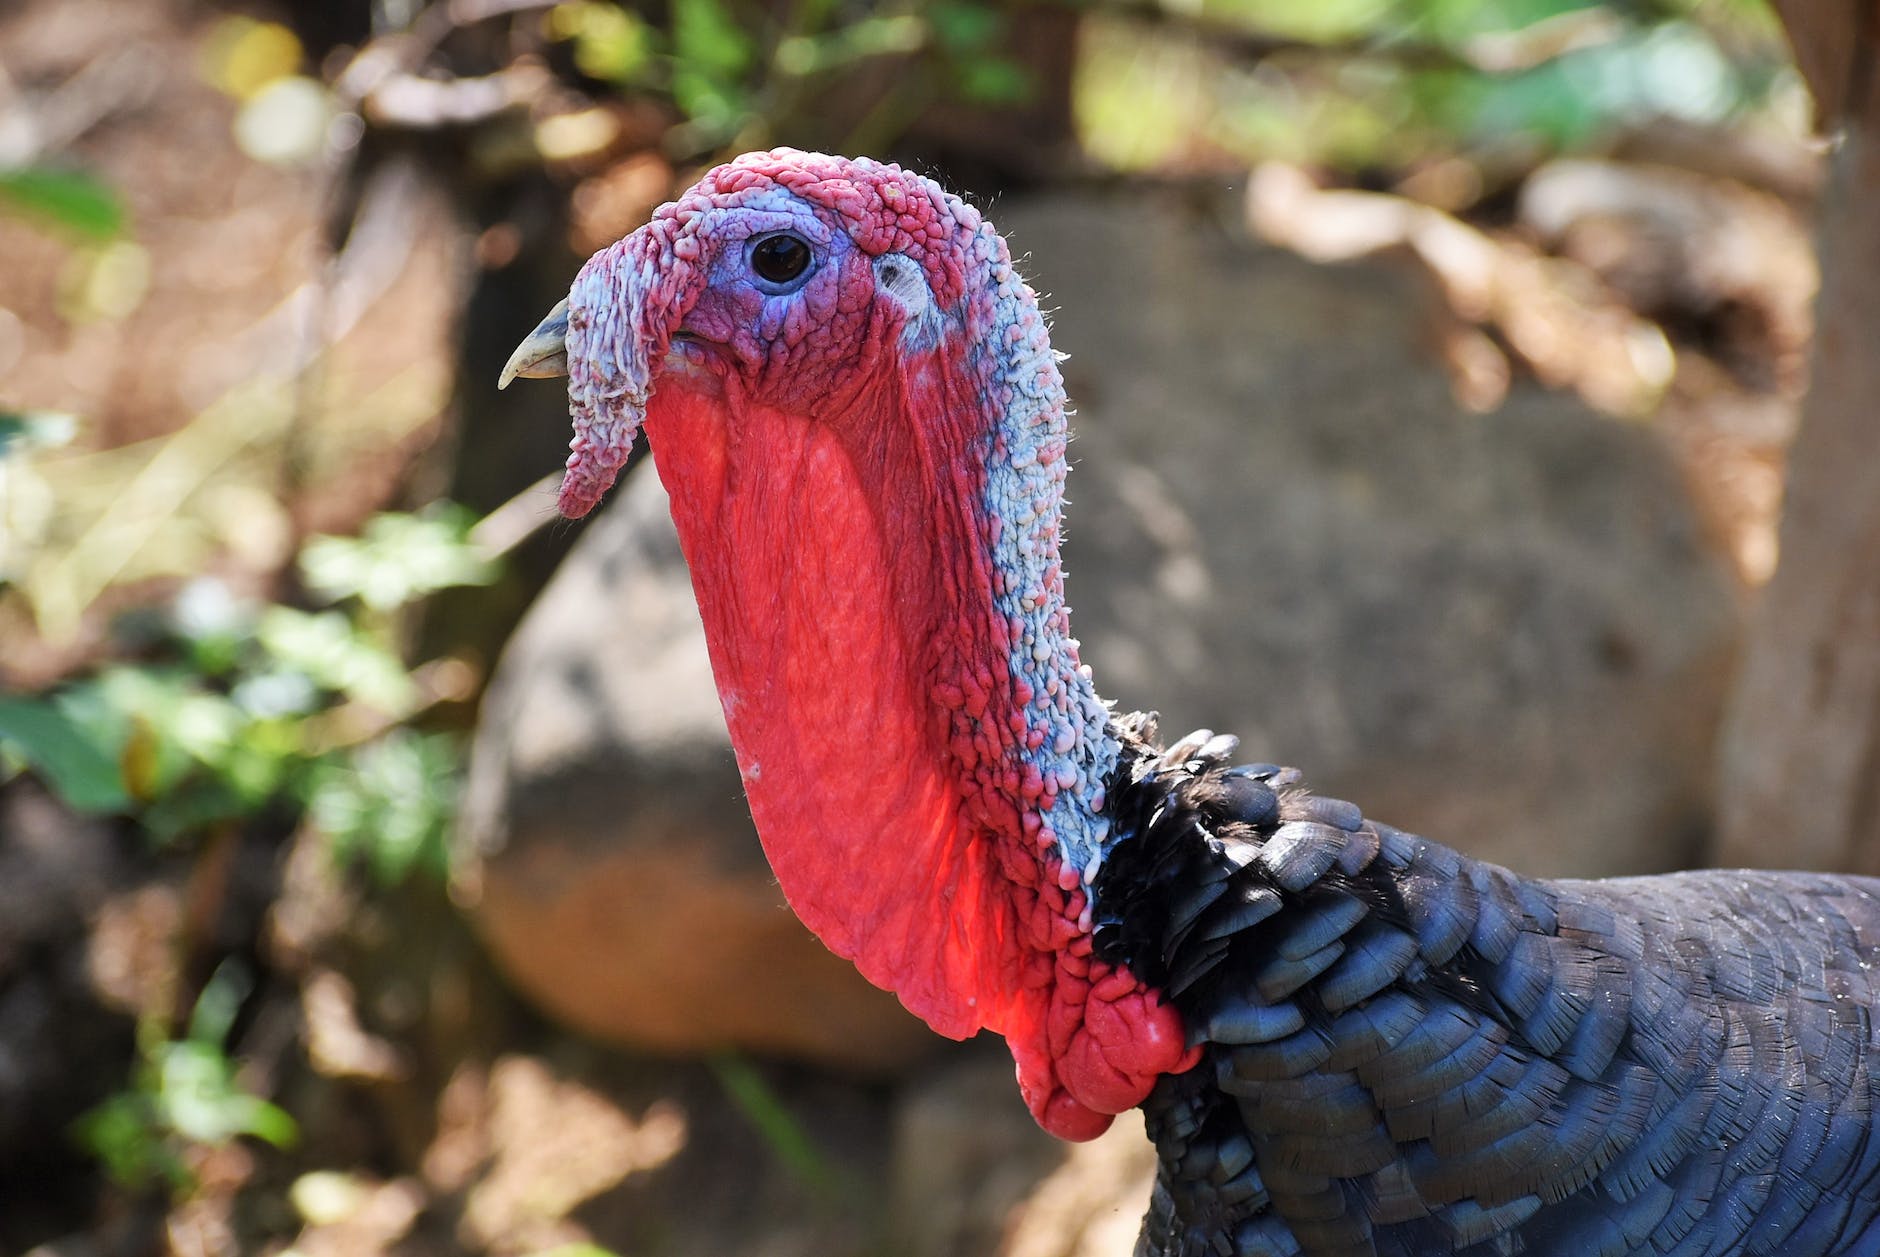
pixel 839 486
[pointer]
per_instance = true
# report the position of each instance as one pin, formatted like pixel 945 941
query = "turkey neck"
pixel 884 605
pixel 923 752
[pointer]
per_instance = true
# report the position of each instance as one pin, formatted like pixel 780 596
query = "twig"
pixel 390 56
pixel 516 520
pixel 106 85
pixel 416 103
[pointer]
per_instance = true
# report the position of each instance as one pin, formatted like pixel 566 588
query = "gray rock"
pixel 1503 631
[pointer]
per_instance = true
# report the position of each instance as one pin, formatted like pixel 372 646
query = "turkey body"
pixel 1348 1041
pixel 1406 1051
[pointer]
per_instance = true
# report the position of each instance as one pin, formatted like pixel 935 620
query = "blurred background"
pixel 374 876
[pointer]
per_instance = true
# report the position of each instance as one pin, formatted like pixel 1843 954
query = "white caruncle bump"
pixel 900 279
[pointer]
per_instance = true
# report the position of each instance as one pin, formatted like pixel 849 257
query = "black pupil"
pixel 780 258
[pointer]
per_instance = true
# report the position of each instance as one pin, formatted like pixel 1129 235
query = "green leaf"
pixel 221 1000
pixel 75 763
pixel 182 723
pixel 331 651
pixel 122 1133
pixel 390 805
pixel 197 1094
pixel 775 1124
pixel 199 1098
pixel 22 430
pixel 995 81
pixel 711 54
pixel 716 106
pixel 181 756
pixel 962 27
pixel 706 37
pixel 609 42
pixel 182 1092
pixel 68 199
pixel 397 559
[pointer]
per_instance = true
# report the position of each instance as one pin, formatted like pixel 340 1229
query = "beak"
pixel 629 298
pixel 544 352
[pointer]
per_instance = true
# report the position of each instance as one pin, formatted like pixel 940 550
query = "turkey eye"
pixel 779 259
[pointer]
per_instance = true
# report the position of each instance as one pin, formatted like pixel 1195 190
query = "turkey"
pixel 1346 1039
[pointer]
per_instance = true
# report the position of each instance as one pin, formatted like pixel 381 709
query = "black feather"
pixel 1406 1051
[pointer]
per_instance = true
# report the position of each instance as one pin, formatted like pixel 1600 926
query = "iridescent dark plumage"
pixel 1410 1052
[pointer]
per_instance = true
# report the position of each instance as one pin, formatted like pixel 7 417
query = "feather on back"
pixel 1407 1051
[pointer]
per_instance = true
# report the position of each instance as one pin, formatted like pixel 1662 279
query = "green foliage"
pixel 740 71
pixel 775 1125
pixel 23 430
pixel 963 26
pixel 995 81
pixel 183 1091
pixel 333 652
pixel 255 708
pixel 711 54
pixel 388 805
pixel 45 737
pixel 1359 83
pixel 1674 69
pixel 610 43
pixel 261 707
pixel 68 200
pixel 397 559
pixel 162 743
pixel 188 755
pixel 103 279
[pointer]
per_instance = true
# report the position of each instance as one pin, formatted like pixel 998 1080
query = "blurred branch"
pixel 419 103
pixel 380 238
pixel 31 127
pixel 1774 163
pixel 1569 333
pixel 518 519
pixel 389 64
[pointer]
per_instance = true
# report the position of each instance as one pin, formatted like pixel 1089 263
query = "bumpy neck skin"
pixel 1069 748
pixel 868 479
pixel 1089 1039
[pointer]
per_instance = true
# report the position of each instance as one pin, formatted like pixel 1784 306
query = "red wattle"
pixel 924 868
pixel 1095 1047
